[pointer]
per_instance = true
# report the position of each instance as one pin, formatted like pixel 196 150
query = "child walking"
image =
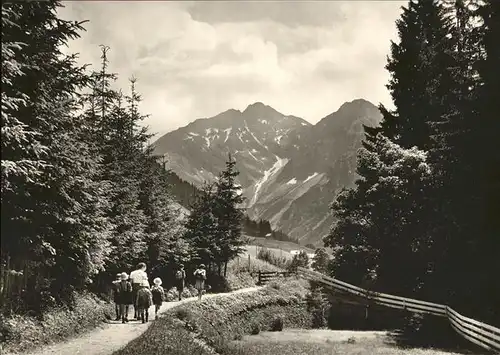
pixel 144 300
pixel 158 295
pixel 180 276
pixel 124 296
pixel 200 275
pixel 116 295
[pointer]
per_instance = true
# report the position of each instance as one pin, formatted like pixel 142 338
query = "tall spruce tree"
pixel 490 124
pixel 201 228
pixel 229 214
pixel 162 246
pixel 53 212
pixel 419 77
pixel 456 144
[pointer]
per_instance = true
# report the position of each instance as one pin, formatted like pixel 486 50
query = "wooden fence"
pixel 476 332
pixel 266 276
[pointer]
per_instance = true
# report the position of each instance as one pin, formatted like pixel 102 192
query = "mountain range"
pixel 289 169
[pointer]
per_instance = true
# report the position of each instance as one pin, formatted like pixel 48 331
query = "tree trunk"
pixel 225 268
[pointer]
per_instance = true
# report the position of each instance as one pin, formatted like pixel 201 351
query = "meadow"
pixel 278 244
pixel 323 342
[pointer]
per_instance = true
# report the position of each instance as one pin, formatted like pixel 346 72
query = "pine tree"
pixel 490 126
pixel 418 67
pixel 229 213
pixel 57 216
pixel 201 228
pixel 457 142
pixel 162 246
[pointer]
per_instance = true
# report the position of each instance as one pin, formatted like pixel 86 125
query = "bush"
pixel 255 329
pixel 218 283
pixel 182 313
pixel 22 333
pixel 173 293
pixel 268 256
pixel 318 305
pixel 277 324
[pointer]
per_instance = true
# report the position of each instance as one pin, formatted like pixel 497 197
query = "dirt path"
pixel 113 336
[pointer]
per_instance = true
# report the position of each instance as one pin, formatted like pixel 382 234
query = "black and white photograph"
pixel 250 177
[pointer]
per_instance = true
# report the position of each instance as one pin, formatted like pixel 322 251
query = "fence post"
pixel 249 264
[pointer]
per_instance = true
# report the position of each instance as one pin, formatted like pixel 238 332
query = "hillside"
pixel 289 169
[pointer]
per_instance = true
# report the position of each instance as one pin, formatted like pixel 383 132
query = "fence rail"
pixel 476 332
pixel 265 276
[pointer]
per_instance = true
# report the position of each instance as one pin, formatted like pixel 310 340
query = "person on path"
pixel 200 275
pixel 144 300
pixel 180 277
pixel 124 289
pixel 116 297
pixel 158 295
pixel 137 277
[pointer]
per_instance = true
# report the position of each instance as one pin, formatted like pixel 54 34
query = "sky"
pixel 196 59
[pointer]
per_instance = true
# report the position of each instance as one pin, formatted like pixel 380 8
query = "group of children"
pixel 134 289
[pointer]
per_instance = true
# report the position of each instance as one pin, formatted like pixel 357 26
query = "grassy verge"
pixel 20 333
pixel 308 343
pixel 202 327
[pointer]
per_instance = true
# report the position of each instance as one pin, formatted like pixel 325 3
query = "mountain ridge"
pixel 289 169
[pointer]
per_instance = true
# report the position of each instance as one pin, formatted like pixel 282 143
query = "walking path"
pixel 115 335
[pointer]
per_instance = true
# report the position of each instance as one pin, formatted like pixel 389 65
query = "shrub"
pixel 21 333
pixel 173 293
pixel 275 284
pixel 218 283
pixel 317 304
pixel 277 324
pixel 182 313
pixel 270 257
pixel 255 329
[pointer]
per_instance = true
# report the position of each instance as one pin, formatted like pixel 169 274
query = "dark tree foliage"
pixel 51 219
pixel 201 227
pixel 82 197
pixel 418 65
pixel 214 228
pixel 321 261
pixel 423 221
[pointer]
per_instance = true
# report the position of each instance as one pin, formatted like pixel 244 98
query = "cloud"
pixel 196 59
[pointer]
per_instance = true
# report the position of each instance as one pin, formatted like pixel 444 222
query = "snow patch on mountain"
pixel 239 134
pixel 251 133
pixel 228 132
pixel 210 130
pixel 310 177
pixel 263 121
pixel 267 174
pixel 253 156
pixel 292 181
pixel 193 134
